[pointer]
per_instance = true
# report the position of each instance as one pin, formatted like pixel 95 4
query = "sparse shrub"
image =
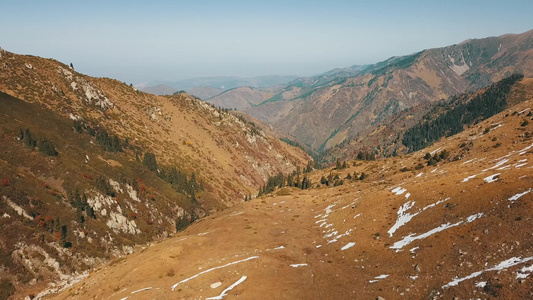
pixel 432 162
pixel 497 145
pixel 338 182
pixel 419 166
pixel 363 176
pixel 26 138
pixel 427 156
pixel 525 123
pixel 78 126
pixel 170 273
pixel 444 154
pixel 405 169
pixel 108 141
pixel 47 147
pixel 182 223
pixel 150 162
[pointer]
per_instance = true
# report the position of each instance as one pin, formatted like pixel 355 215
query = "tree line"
pixel 457 114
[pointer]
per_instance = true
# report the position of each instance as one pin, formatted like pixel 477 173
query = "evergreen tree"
pixel 47 147
pixel 26 138
pixel 150 162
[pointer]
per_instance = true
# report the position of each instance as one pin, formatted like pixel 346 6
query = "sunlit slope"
pixel 459 228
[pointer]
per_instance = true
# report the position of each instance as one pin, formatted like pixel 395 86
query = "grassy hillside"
pixel 91 167
pixel 459 229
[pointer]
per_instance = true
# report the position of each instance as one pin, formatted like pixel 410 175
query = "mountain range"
pixel 344 104
pixel 222 83
pixel 409 178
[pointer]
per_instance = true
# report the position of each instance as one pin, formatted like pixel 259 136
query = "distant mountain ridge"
pixel 325 110
pixel 219 82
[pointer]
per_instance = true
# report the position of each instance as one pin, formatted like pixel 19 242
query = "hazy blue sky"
pixel 139 41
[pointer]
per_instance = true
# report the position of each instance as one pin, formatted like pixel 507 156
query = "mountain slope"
pixel 204 92
pixel 322 114
pixel 458 229
pixel 240 98
pixel 91 167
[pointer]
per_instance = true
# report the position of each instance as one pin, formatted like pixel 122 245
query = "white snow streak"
pixel 503 265
pixel 517 196
pixel 492 178
pixel 209 270
pixel 411 237
pixel 523 151
pixel 497 165
pixel 377 278
pixel 243 278
pixel 145 289
pixel 349 245
pixel 468 178
pixel 524 272
pixel 398 191
pixel 404 217
pixel 298 265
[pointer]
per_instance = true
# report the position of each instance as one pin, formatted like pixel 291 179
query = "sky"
pixel 148 41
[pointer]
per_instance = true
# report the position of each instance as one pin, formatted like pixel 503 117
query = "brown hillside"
pixel 90 168
pixel 178 129
pixel 460 229
pixel 324 114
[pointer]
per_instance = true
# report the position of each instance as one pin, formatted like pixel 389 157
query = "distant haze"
pixel 139 42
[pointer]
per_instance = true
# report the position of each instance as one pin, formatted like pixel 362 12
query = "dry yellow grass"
pixel 458 227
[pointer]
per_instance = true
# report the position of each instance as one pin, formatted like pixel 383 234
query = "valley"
pixel 409 178
pixel 457 229
pixel 347 105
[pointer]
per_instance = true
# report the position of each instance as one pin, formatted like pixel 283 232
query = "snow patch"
pixel 411 237
pixel 347 246
pixel 298 265
pixel 517 196
pixel 498 164
pixel 145 289
pixel 377 278
pixel 398 191
pixel 502 265
pixel 492 178
pixel 524 272
pixel 173 287
pixel 469 177
pixel 224 292
pixel 524 151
